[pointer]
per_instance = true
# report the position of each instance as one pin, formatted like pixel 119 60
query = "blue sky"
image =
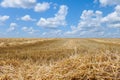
pixel 60 18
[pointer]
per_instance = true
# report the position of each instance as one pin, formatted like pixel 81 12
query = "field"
pixel 59 59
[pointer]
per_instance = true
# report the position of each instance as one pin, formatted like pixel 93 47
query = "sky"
pixel 60 18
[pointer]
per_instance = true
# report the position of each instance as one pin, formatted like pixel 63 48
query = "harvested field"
pixel 59 59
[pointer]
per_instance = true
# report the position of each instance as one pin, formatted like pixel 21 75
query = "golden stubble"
pixel 59 59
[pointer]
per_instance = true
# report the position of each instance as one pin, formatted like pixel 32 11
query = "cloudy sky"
pixel 60 18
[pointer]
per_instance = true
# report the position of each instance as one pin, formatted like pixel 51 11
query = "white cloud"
pixel 116 25
pixel 94 23
pixel 109 2
pixel 26 4
pixel 88 20
pixel 18 3
pixel 4 18
pixel 12 27
pixel 54 22
pixel 29 30
pixel 52 33
pixel 27 18
pixel 113 19
pixel 40 7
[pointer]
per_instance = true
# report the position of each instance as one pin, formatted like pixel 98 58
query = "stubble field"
pixel 59 59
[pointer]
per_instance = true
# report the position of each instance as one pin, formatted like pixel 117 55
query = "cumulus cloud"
pixel 40 7
pixel 113 19
pixel 4 18
pixel 56 21
pixel 26 4
pixel 109 2
pixel 53 33
pixel 94 23
pixel 18 3
pixel 12 27
pixel 27 18
pixel 89 20
pixel 29 30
